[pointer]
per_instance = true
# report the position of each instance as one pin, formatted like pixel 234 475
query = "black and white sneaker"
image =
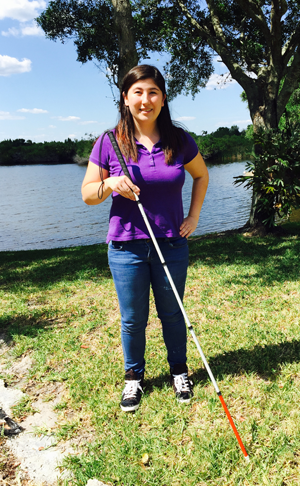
pixel 182 386
pixel 132 392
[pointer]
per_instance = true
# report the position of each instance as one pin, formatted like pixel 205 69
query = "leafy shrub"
pixel 274 174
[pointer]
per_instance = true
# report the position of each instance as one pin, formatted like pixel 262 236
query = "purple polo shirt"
pixel 161 190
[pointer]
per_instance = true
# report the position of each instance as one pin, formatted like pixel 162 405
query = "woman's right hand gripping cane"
pixel 91 186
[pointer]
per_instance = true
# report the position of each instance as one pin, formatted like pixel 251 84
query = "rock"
pixel 9 397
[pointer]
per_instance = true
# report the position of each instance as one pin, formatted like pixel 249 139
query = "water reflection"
pixel 41 206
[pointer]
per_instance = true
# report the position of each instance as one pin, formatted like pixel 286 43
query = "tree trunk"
pixel 127 47
pixel 263 112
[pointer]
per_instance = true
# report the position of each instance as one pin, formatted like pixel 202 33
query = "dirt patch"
pixel 10 472
pixel 33 456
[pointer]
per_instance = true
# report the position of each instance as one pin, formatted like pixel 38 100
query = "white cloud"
pixel 242 122
pixel 185 118
pixel 67 118
pixel 31 29
pixel 11 65
pixel 21 10
pixel 24 29
pixel 52 126
pixel 5 115
pixel 11 31
pixel 34 111
pixel 72 135
pixel 87 122
pixel 219 81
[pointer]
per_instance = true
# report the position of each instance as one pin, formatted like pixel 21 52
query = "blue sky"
pixel 45 94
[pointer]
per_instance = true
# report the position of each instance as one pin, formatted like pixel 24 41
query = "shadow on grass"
pixel 273 255
pixel 265 361
pixel 42 268
pixel 276 257
pixel 30 327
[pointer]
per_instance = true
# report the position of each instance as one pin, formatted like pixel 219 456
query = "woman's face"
pixel 145 101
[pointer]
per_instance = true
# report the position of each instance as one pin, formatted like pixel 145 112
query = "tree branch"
pixel 291 82
pixel 203 31
pixel 256 14
pixel 291 45
pixel 276 34
pixel 216 24
pixel 217 42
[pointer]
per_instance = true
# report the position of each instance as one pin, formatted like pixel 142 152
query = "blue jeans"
pixel 135 266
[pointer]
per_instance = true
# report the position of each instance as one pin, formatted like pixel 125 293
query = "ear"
pixel 125 98
pixel 163 100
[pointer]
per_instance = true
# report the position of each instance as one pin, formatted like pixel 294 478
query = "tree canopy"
pixel 258 41
pixel 118 34
pixel 96 28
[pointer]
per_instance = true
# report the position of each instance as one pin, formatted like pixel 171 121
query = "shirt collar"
pixel 156 146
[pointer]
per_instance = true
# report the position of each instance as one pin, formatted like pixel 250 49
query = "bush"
pixel 274 174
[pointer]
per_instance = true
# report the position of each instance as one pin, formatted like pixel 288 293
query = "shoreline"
pixel 280 230
pixel 83 161
pixel 76 160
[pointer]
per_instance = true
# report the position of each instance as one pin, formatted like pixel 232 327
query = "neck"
pixel 144 131
pixel 147 135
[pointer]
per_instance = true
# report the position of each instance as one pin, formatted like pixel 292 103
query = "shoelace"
pixel 182 383
pixel 131 388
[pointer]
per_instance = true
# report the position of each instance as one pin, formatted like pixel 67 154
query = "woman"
pixel 156 153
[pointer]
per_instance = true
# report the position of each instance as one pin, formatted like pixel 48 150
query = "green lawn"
pixel 243 299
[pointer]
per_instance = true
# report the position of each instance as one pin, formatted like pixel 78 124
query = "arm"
pixel 92 182
pixel 199 173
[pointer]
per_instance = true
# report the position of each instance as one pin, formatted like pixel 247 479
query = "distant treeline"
pixel 21 152
pixel 224 142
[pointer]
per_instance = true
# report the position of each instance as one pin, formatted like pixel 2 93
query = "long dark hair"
pixel 171 136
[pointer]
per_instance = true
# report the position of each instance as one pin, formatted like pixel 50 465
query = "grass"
pixel 243 299
pixel 23 408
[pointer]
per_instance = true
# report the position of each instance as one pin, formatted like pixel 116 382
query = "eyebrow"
pixel 154 87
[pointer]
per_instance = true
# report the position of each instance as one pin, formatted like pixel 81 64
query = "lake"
pixel 41 206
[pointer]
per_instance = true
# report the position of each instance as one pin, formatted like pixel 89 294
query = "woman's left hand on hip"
pixel 188 226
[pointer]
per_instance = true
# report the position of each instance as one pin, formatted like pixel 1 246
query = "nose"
pixel 145 97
